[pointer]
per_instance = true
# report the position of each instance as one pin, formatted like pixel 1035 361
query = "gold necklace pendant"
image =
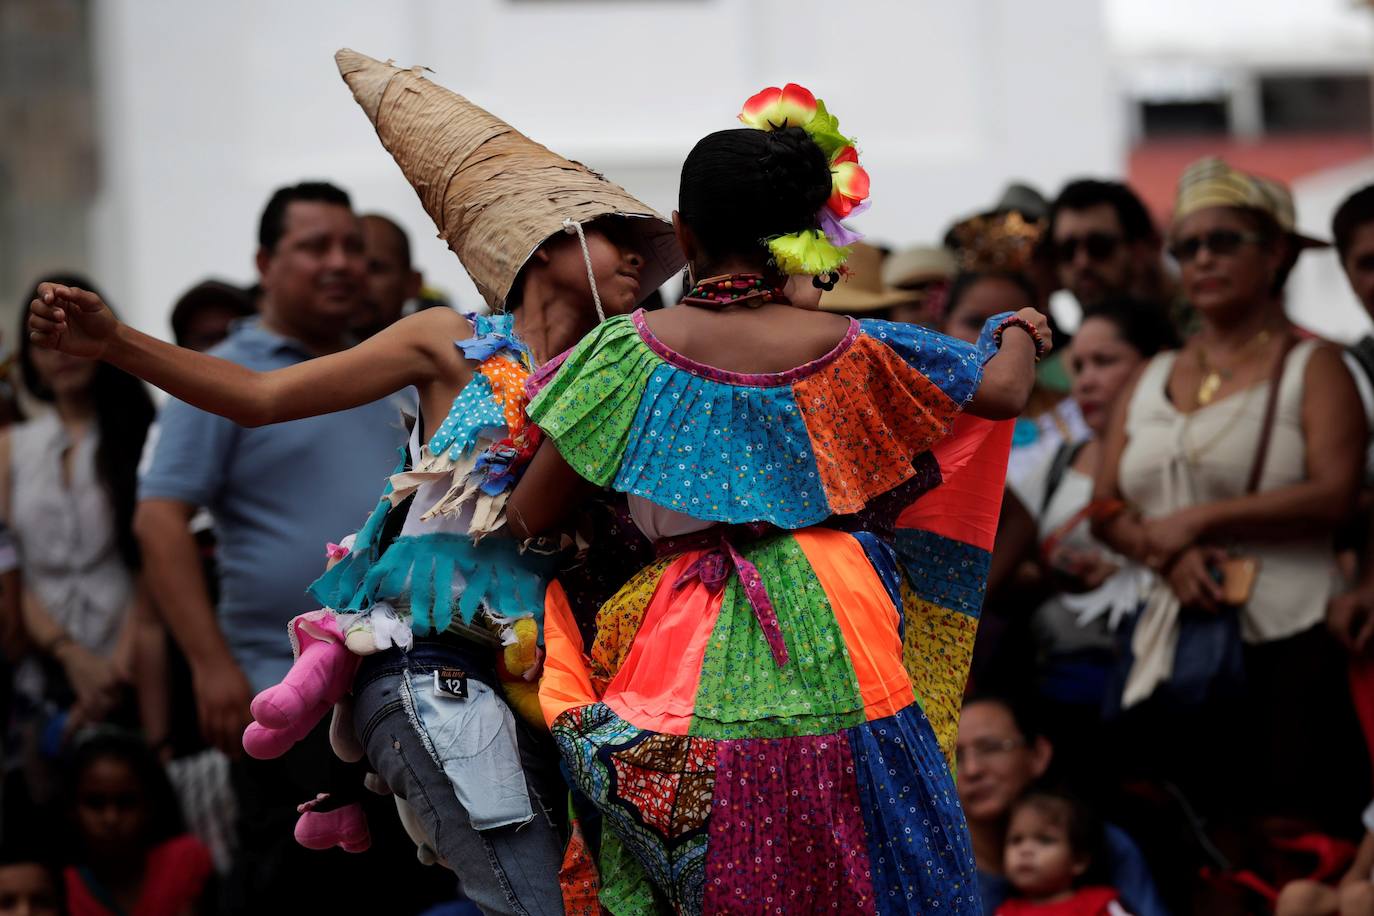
pixel 1208 389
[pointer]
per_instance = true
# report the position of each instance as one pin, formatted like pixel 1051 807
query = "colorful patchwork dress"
pixel 765 714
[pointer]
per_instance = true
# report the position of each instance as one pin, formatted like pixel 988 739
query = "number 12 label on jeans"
pixel 451 682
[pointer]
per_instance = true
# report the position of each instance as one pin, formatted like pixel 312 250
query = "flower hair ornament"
pixel 820 252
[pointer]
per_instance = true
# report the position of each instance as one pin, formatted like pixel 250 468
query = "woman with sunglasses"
pixel 1227 467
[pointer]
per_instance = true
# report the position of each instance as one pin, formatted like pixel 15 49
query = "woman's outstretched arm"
pixel 77 322
pixel 1009 377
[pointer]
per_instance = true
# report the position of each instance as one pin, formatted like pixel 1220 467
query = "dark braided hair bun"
pixel 740 187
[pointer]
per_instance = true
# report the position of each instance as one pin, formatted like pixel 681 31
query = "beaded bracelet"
pixel 1017 322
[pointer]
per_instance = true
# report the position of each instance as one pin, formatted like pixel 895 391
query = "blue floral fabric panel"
pixel 954 366
pixel 722 452
pixel 943 571
pixel 918 841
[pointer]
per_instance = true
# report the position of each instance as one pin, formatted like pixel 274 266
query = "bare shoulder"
pixel 772 338
pixel 1327 357
pixel 1326 373
pixel 444 323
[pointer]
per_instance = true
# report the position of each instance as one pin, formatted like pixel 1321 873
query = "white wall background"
pixel 205 108
pixel 1271 33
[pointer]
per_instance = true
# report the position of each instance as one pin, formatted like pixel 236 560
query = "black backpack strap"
pixel 1059 465
pixel 1363 351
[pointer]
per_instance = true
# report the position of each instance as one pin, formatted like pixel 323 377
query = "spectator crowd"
pixel 1172 693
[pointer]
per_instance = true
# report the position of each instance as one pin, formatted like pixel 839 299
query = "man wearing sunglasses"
pixel 1104 243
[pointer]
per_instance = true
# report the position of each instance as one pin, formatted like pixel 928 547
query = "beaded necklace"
pixel 733 289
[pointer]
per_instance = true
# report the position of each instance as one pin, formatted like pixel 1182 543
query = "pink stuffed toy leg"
pixel 345 827
pixel 263 743
pixel 323 672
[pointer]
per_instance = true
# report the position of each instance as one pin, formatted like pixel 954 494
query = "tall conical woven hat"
pixel 494 193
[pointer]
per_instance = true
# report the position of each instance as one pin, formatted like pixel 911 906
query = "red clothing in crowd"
pixel 173 880
pixel 1086 901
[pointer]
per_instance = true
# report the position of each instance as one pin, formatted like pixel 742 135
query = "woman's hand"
pixel 1168 536
pixel 1082 570
pixel 1036 319
pixel 95 680
pixel 72 320
pixel 1009 376
pixel 1190 577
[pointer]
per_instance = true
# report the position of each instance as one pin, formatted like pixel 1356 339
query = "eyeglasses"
pixel 1099 245
pixel 986 749
pixel 1218 241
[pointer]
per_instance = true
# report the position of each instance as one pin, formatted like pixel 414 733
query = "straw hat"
pixel 922 264
pixel 494 194
pixel 861 288
pixel 1210 182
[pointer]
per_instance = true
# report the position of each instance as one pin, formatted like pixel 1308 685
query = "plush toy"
pixel 518 667
pixel 321 675
pixel 345 826
pixel 328 648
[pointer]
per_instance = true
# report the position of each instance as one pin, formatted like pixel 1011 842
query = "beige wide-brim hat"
pixel 861 289
pixel 920 264
pixel 494 194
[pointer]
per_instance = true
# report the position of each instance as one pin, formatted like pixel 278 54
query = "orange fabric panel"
pixel 868 414
pixel 507 378
pixel 566 682
pixel 656 686
pixel 973 467
pixel 866 617
pixel 618 620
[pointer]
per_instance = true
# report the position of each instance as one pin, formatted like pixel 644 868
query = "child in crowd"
pixel 1054 852
pixel 1353 896
pixel 132 854
pixel 28 885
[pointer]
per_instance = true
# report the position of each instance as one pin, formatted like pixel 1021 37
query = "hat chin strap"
pixel 573 226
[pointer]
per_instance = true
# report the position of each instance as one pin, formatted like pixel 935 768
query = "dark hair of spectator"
pixel 1354 212
pixel 15 853
pixel 165 819
pixel 1085 193
pixel 123 413
pixel 402 240
pixel 1087 840
pixel 967 280
pixel 741 187
pixel 1142 324
pixel 273 224
pixel 206 295
pixel 1023 716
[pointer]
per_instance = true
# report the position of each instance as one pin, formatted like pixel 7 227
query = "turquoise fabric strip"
pixel 493 575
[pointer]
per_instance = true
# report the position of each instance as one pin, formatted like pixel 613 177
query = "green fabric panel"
pixel 743 693
pixel 590 404
pixel 625 886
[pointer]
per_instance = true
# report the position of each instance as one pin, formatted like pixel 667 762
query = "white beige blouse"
pixel 1173 460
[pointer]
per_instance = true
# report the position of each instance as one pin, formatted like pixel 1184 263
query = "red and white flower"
pixel 774 108
pixel 849 182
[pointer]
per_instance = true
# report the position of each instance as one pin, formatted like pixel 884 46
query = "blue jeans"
pixel 457 762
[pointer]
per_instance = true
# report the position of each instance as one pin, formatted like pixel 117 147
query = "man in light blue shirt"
pixel 278 495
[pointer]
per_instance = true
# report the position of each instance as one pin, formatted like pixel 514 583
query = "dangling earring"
pixel 826 281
